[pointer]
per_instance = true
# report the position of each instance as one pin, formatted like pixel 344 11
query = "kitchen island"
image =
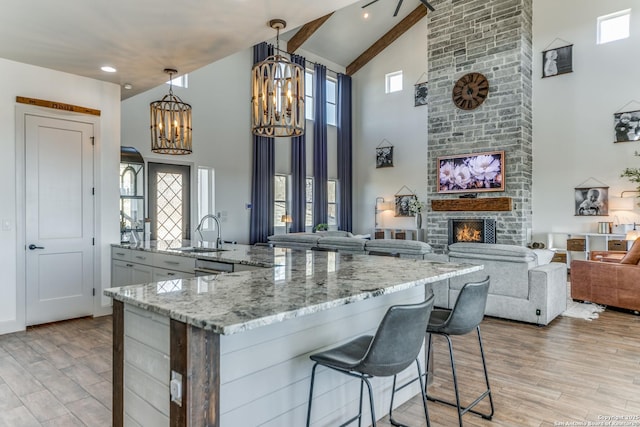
pixel 232 349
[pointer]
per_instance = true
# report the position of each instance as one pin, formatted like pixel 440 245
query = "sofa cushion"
pixel 507 265
pixel 633 256
pixel 496 252
pixel 334 233
pixel 398 246
pixel 342 243
pixel 544 256
pixel 298 239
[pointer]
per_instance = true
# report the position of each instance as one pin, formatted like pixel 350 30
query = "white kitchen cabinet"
pixel 130 266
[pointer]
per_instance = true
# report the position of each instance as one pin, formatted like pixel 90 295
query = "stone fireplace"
pixel 472 230
pixel 494 38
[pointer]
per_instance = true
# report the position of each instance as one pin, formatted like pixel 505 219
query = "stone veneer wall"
pixel 493 37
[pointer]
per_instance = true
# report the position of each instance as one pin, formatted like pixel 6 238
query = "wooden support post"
pixel 117 405
pixel 195 354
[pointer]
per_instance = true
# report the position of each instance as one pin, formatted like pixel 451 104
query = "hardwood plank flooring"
pixel 573 370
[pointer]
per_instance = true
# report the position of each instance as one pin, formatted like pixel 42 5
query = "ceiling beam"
pixel 305 32
pixel 383 42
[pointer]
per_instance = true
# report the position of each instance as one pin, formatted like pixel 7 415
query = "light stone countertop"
pixel 298 283
pixel 258 256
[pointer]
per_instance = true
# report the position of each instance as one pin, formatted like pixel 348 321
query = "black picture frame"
pixel 384 157
pixel 421 91
pixel 591 201
pixel 557 61
pixel 626 126
pixel 402 203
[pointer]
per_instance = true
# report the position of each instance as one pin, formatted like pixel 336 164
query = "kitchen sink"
pixel 198 249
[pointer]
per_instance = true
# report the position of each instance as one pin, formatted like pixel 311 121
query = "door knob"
pixel 32 247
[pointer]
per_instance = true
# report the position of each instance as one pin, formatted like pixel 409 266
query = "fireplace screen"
pixel 472 230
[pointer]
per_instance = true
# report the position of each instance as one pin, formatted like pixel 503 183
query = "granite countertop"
pixel 299 283
pixel 258 256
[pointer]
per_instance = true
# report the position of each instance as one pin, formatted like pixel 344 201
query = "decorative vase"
pixel 418 220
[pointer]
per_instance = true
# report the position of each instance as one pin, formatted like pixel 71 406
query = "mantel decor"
pixel 468 173
pixel 170 123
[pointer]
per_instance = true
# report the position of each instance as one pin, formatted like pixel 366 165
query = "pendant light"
pixel 170 123
pixel 277 94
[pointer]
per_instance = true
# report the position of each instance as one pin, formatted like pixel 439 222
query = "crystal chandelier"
pixel 277 94
pixel 170 123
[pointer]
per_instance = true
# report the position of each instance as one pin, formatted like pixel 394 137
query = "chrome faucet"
pixel 199 229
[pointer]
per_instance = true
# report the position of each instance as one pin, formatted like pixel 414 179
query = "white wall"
pixel 379 116
pixel 220 97
pixel 35 82
pixel 573 113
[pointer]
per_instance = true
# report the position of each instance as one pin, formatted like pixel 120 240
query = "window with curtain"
pixel 308 222
pixel 332 202
pixel 332 90
pixel 281 199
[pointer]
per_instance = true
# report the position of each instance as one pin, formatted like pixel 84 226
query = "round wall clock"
pixel 470 91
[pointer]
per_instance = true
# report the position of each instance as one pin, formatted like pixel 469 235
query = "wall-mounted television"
pixel 470 173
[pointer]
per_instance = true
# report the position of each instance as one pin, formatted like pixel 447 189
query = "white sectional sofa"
pixel 525 284
pixel 343 241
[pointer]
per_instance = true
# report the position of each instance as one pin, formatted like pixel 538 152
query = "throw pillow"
pixel 633 256
pixel 544 256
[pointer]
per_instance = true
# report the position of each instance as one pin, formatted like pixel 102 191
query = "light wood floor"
pixel 572 370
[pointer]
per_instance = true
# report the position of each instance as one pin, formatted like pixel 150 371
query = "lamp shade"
pixel 286 218
pixel 621 203
pixel 632 234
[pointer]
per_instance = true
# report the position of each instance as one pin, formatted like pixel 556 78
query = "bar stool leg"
pixel 313 376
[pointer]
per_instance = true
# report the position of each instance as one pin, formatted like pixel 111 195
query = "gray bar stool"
pixel 395 345
pixel 466 315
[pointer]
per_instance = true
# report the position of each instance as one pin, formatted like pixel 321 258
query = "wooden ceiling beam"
pixel 383 42
pixel 305 32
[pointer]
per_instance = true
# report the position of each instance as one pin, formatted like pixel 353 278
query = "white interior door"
pixel 59 219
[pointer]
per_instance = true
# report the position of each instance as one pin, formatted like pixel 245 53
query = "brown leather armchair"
pixel 608 282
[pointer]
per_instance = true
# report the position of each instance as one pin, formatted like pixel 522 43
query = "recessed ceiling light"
pixel 128 86
pixel 365 15
pixel 108 69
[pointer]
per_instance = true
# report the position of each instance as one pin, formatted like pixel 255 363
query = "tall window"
pixel 332 118
pixel 393 82
pixel 169 201
pixel 280 200
pixel 308 95
pixel 332 198
pixel 308 220
pixel 614 26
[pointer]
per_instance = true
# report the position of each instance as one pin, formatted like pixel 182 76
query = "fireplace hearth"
pixel 472 230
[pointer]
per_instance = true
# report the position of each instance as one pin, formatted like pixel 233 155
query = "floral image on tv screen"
pixel 469 173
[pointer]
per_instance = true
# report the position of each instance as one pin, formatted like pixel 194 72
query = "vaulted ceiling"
pixel 140 38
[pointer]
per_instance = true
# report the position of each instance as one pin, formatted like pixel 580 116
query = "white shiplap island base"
pixel 241 341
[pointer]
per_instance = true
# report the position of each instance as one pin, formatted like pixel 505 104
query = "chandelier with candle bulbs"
pixel 277 94
pixel 170 123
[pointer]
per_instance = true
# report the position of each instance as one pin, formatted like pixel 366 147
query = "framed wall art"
pixel 402 204
pixel 626 126
pixel 384 155
pixel 557 61
pixel 470 173
pixel 592 201
pixel 420 94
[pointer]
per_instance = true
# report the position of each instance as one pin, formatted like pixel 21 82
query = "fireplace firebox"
pixel 472 230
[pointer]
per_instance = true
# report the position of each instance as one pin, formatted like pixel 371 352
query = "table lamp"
pixel 287 220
